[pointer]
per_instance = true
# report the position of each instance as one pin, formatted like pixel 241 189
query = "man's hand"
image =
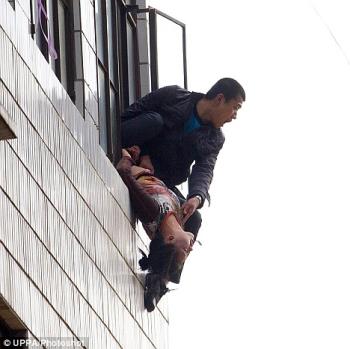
pixel 145 162
pixel 189 207
pixel 134 152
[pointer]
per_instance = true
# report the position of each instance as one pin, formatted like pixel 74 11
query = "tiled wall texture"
pixel 68 253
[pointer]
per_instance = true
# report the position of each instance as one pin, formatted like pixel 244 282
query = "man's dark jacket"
pixel 172 152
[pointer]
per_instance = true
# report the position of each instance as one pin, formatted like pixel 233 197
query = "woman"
pixel 159 210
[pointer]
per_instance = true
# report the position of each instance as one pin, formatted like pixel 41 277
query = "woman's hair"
pixel 161 259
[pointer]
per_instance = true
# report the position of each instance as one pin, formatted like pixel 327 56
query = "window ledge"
pixel 6 125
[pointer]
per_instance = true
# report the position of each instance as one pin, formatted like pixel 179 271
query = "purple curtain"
pixel 47 37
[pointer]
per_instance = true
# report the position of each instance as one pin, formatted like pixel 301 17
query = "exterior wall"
pixel 68 252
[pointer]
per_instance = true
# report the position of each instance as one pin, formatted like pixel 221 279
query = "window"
pixel 63 39
pixel 117 71
pixel 131 38
pixel 54 36
pixel 42 36
pixel 168 67
pixel 118 61
pixel 170 62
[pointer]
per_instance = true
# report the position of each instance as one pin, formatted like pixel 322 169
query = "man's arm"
pixel 201 177
pixel 198 183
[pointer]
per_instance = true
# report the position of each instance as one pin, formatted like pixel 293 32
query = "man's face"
pixel 225 111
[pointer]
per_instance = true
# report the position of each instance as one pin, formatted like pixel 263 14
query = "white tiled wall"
pixel 68 253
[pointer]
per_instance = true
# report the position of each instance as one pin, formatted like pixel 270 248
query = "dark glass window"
pixel 117 69
pixel 100 29
pixel 42 35
pixel 130 33
pixel 55 37
pixel 114 105
pixel 112 28
pixel 102 109
pixel 61 40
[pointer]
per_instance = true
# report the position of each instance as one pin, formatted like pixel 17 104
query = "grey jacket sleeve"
pixel 201 177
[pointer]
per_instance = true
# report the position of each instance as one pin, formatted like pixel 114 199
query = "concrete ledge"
pixel 9 317
pixel 6 125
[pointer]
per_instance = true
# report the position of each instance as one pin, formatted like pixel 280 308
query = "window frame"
pixel 69 43
pixel 50 24
pixel 153 43
pixel 119 83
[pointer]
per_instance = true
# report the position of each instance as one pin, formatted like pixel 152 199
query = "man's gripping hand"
pixel 145 162
pixel 189 207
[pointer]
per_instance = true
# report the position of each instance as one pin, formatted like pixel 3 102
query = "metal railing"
pixel 153 44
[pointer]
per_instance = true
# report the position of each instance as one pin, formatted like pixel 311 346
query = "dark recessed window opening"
pixel 54 34
pixel 117 70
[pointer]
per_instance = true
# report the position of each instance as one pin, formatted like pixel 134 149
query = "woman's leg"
pixel 141 129
pixel 146 208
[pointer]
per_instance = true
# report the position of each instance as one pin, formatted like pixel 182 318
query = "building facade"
pixel 68 243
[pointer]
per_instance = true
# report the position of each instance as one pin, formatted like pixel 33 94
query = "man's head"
pixel 222 102
pixel 230 88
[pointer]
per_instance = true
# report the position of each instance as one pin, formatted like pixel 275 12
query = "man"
pixel 176 128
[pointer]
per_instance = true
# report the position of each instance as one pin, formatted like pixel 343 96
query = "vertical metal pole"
pixel 184 55
pixel 153 49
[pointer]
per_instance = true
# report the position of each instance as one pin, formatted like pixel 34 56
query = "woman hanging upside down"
pixel 159 210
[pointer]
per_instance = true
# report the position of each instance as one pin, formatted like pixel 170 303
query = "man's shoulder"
pixel 174 89
pixel 177 97
pixel 178 94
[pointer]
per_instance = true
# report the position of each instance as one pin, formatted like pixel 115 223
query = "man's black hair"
pixel 230 88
